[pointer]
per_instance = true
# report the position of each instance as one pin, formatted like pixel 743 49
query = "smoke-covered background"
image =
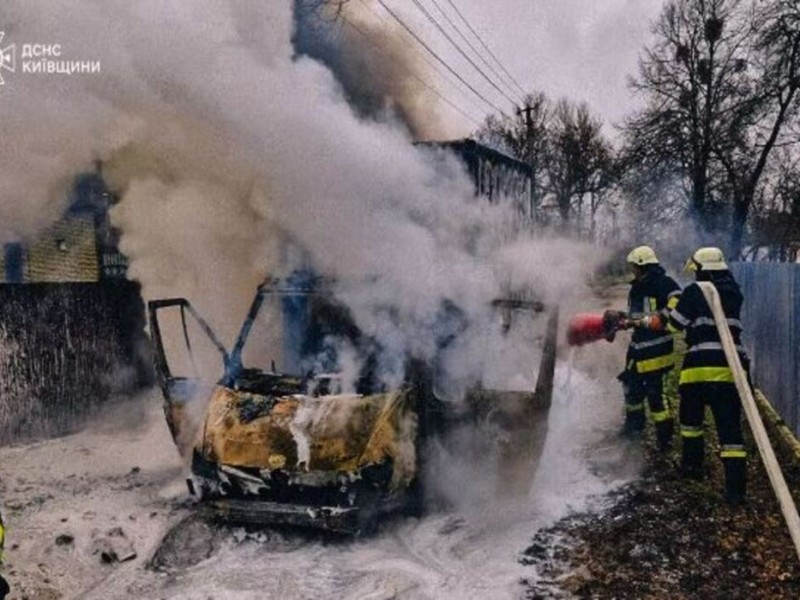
pixel 229 144
pixel 237 153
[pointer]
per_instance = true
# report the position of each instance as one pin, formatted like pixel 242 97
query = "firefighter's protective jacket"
pixel 705 359
pixel 655 292
pixel 2 537
pixel 4 588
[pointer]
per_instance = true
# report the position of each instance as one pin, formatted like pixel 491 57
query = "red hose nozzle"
pixel 584 328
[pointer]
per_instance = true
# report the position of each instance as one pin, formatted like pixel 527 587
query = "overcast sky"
pixel 584 49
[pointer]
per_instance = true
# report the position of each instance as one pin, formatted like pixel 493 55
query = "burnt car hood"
pixel 299 434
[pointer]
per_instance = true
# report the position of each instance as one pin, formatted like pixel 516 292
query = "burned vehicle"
pixel 287 435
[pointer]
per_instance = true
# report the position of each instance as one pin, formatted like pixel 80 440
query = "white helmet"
pixel 706 259
pixel 642 255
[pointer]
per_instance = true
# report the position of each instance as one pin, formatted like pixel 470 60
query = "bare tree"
pixel 720 85
pixel 572 163
pixel 580 162
pixel 686 78
pixel 775 218
pixel 655 202
pixel 758 120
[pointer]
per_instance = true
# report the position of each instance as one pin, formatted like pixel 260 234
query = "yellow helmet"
pixel 642 255
pixel 706 259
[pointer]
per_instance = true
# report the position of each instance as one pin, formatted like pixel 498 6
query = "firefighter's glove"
pixel 626 377
pixel 651 322
pixel 612 322
pixel 626 324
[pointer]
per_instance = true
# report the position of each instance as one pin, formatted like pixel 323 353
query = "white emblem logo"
pixel 7 57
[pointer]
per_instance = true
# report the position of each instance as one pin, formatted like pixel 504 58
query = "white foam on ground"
pixel 83 484
pixel 472 553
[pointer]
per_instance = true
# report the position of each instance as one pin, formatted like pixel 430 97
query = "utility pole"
pixel 527 110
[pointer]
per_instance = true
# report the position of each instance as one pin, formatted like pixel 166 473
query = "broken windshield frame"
pixel 288 329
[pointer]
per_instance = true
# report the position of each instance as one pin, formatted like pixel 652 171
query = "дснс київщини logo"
pixel 7 57
pixel 42 59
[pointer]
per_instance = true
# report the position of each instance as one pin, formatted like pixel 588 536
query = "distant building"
pixel 497 176
pixel 81 246
pixel 72 326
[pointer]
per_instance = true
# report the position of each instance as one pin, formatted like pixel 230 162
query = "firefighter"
pixel 4 589
pixel 650 354
pixel 706 378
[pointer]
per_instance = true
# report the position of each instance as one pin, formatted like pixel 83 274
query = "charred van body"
pixel 280 439
pixel 277 430
pixel 277 439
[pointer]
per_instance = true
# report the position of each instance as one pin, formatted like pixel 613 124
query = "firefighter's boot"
pixel 634 424
pixel 735 480
pixel 692 458
pixel 664 432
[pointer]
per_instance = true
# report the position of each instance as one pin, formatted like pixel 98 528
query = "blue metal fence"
pixel 771 317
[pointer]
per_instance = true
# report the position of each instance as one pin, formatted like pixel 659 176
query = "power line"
pixel 460 50
pixel 454 83
pixel 411 72
pixel 476 51
pixel 480 39
pixel 447 80
pixel 437 57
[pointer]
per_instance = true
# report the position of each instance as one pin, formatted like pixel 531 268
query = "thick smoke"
pixel 379 72
pixel 224 144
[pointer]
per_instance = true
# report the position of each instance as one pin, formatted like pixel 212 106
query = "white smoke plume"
pixel 222 142
pixel 380 73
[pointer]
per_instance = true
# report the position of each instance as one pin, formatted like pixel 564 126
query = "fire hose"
pixel 753 417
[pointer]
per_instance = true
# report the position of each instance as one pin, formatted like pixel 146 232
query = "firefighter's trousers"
pixel 638 387
pixel 723 399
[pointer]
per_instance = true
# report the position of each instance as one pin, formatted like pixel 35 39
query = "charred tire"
pixel 368 513
pixel 415 505
pixel 367 523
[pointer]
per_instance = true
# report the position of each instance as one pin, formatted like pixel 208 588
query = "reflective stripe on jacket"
pixel 655 293
pixel 705 360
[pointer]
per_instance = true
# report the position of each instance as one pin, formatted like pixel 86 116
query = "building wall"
pixel 65 349
pixel 497 177
pixel 72 327
pixel 67 251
